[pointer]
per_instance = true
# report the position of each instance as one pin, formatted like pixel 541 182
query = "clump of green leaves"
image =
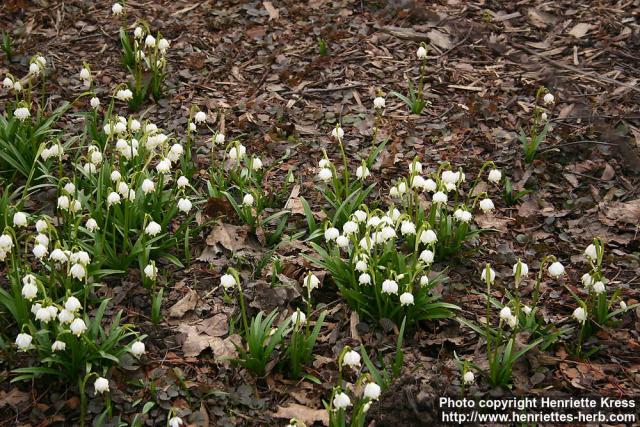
pixel 415 98
pixel 538 127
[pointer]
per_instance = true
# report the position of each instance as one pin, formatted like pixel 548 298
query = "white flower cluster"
pixel 440 185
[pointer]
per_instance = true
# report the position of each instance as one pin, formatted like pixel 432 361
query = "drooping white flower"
pixel 40 251
pixel 389 287
pixel 153 228
pixel 6 243
pixel 349 228
pixel 58 255
pixel 361 265
pixel 117 9
pixel 78 327
pixel 421 53
pixel 402 188
pixel 492 275
pixel 324 163
pixel 175 422
pixel 342 241
pixel 7 83
pixel 379 102
pixel 85 74
pixel 163 45
pixel 548 99
pixel 526 310
pixel 58 346
pixel 364 279
pixel 124 95
pixel 428 237
pixel 17 86
pixel 439 197
pixel 227 281
pixel 138 348
pixel 359 216
pixel 248 200
pixel 298 318
pixel 495 176
pixel 148 186
pixel 256 163
pixel 587 280
pixel 591 253
pixel 65 316
pixel 78 271
pixel 468 377
pixel 200 117
pixel 372 391
pixel 580 314
pixel 556 269
pixel 462 215
pixel 424 280
pixel 236 153
pixel 312 282
pixel 341 401
pixel 505 313
pixel 219 139
pixel 151 271
pixel 598 287
pixel 113 198
pixel 185 205
pixel 164 166
pixel 94 102
pixel 407 228
pixel 91 225
pixel 331 233
pixel 362 172
pixel 34 69
pixel 101 385
pixel 337 132
pixel 427 256
pixel 23 341
pixel 623 305
pixel 21 113
pixel 29 288
pixel 80 257
pixel 115 176
pixel 325 174
pixel 486 205
pixel 417 182
pixel 524 269
pixel 20 219
pixel 351 358
pixel 138 32
pixel 406 298
pixel 150 41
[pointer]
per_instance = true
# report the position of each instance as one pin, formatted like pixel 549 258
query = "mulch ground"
pixel 254 66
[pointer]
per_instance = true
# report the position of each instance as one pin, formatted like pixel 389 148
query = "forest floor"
pixel 254 67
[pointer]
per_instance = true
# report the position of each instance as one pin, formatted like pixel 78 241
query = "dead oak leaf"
pixel 187 303
pixel 303 413
pixel 231 237
pixel 14 398
pixel 494 222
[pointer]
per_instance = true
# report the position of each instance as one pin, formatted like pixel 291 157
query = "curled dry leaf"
pixel 307 415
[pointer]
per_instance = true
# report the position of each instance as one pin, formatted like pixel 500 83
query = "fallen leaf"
pixel 231 237
pixel 272 11
pixel 14 398
pixel 216 326
pixel 187 303
pixel 303 413
pixel 491 221
pixel 580 30
pixel 294 204
pixel 622 212
pixel 608 172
